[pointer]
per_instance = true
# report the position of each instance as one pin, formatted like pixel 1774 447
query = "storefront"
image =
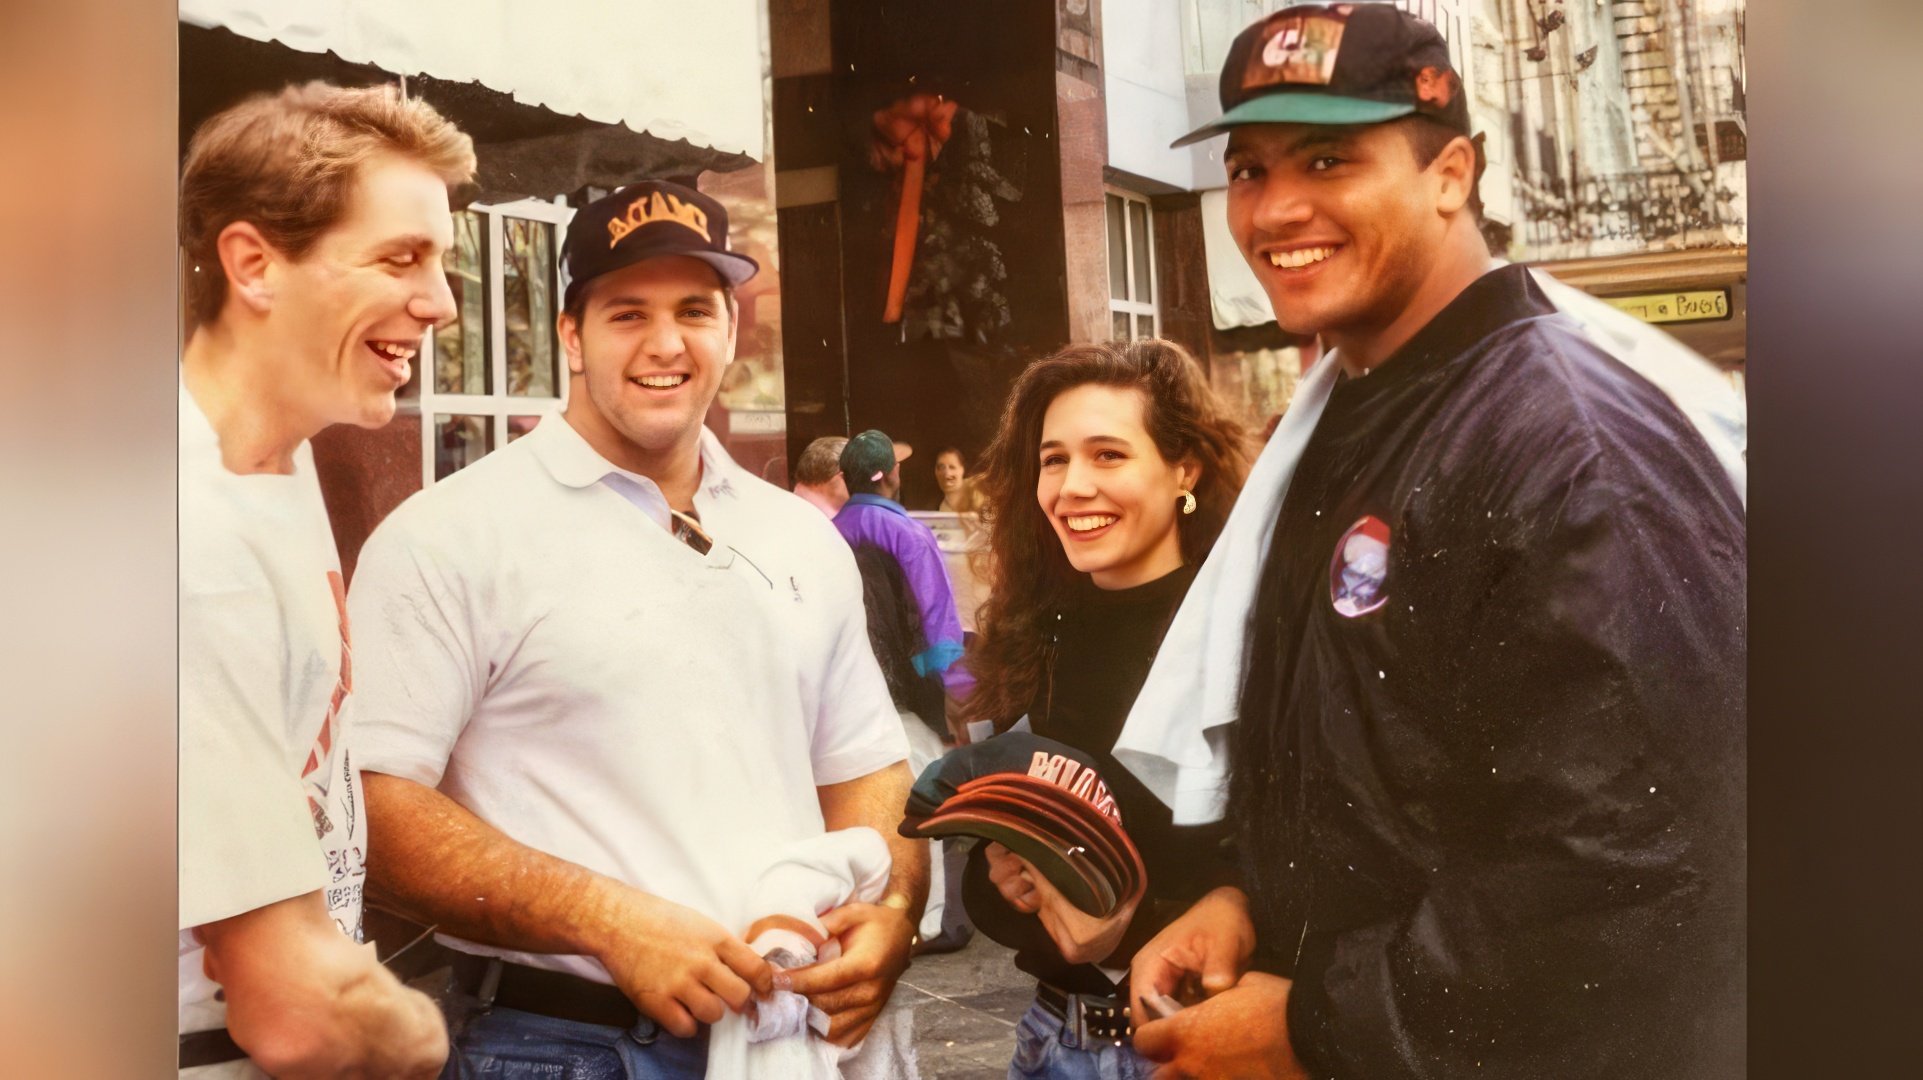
pixel 1699 295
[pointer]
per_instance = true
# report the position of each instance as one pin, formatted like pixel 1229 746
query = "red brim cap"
pixel 1073 875
pixel 1050 820
pixel 1102 830
pixel 1066 815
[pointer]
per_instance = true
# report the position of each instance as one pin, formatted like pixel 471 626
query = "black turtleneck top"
pixel 1103 643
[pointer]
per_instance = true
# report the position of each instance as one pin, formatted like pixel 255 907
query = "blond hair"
pixel 286 163
pixel 820 463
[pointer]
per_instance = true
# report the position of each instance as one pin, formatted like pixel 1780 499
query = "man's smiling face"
pixel 351 313
pixel 652 341
pixel 1340 224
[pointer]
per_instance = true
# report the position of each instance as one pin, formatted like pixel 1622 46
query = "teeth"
pixel 392 351
pixel 1295 260
pixel 662 382
pixel 1090 522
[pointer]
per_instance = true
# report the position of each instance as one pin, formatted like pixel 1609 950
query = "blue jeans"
pixel 507 1044
pixel 1046 1050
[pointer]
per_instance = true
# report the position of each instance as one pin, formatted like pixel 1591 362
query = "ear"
pixel 1190 471
pixel 1455 168
pixel 570 334
pixel 247 259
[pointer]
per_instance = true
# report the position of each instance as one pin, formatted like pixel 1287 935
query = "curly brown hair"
pixel 1030 574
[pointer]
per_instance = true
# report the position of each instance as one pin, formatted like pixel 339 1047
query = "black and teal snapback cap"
pixel 1337 64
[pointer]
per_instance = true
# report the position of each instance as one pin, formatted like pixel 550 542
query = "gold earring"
pixel 1188 501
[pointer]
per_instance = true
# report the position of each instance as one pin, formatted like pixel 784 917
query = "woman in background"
pixel 958 494
pixel 1111 476
pixel 967 570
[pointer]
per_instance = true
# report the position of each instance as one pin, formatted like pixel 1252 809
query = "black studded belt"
pixel 1092 1018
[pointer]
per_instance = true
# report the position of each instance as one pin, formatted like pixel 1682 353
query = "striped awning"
pixel 668 68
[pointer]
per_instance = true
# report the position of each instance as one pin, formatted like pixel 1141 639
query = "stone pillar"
pixel 1082 115
pixel 1182 274
pixel 808 213
pixel 987 288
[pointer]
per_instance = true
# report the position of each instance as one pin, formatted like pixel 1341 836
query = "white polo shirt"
pixel 533 641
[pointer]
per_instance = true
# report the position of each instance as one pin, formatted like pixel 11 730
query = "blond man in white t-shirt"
pixel 611 677
pixel 314 221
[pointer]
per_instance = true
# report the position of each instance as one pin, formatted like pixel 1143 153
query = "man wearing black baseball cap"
pixel 1482 605
pixel 610 678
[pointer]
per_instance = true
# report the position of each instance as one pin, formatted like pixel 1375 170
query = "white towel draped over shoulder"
pixel 1703 393
pixel 1176 737
pixel 1177 734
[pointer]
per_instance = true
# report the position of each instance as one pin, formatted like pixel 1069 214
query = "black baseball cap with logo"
pixel 1337 64
pixel 645 221
pixel 1015 752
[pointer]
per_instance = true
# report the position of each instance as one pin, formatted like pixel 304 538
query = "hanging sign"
pixel 1675 307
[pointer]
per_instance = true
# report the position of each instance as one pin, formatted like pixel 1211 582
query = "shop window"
pixel 1131 268
pixel 496 370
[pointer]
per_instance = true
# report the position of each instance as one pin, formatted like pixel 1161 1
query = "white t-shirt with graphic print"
pixel 270 801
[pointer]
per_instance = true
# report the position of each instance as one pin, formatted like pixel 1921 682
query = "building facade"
pixel 1613 133
pixel 1047 206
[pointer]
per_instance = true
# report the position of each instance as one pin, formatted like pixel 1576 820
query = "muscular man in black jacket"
pixel 1488 772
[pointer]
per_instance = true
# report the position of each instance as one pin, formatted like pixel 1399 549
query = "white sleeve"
pixel 418 669
pixel 246 836
pixel 856 728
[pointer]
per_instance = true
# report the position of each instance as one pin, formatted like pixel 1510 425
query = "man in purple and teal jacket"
pixel 873 518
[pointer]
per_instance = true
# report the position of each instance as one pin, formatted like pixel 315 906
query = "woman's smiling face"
pixel 1106 489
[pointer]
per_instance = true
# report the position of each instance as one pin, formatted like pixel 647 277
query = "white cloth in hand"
pixel 812 876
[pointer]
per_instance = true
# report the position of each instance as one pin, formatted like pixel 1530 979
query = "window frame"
pixel 1132 307
pixel 499 405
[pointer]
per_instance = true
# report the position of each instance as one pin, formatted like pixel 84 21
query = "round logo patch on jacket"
pixel 1360 568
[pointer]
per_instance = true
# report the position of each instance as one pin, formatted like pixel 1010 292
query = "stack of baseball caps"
pixel 1042 800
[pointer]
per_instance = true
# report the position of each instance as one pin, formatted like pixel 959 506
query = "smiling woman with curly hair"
pixel 1111 476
